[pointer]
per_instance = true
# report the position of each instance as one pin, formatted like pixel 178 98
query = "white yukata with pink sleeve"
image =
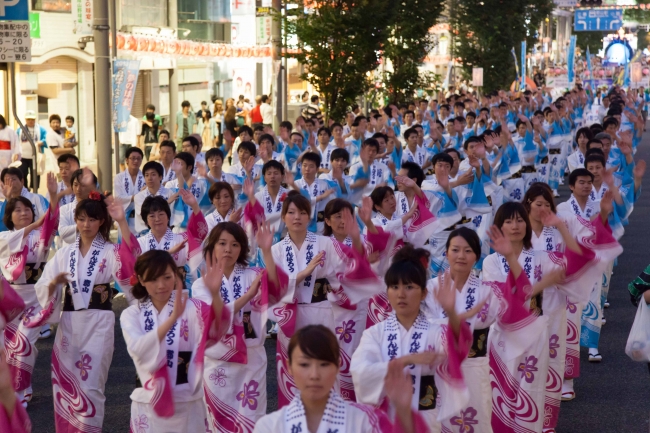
pixel 83 346
pixel 169 397
pixel 22 260
pixel 234 379
pixel 388 340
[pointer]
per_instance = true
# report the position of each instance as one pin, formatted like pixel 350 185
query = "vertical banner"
pixel 514 57
pixel 84 21
pixel 591 72
pixel 125 78
pixel 571 58
pixel 523 66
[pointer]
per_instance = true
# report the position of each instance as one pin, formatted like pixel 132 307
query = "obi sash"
pixel 100 298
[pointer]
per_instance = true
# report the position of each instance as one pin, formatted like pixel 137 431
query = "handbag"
pixel 638 342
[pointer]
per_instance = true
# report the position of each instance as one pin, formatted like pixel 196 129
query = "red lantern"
pixel 214 50
pixel 267 51
pixel 152 45
pixel 221 52
pixel 228 52
pixel 160 46
pixel 120 41
pixel 645 71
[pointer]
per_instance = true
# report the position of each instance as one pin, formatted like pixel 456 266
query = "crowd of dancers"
pixel 414 263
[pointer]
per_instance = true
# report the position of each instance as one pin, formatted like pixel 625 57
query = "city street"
pixel 611 396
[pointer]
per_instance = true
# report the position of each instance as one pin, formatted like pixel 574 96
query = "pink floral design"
pixel 28 314
pixel 185 330
pixel 465 421
pixel 141 424
pixel 571 306
pixel 568 368
pixel 219 377
pixel 102 266
pixel 64 344
pixel 483 314
pixel 84 365
pixel 528 368
pixel 553 345
pixel 548 413
pixel 248 396
pixel 346 330
pixel 538 272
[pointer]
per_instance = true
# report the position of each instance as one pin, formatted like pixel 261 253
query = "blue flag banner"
pixel 591 72
pixel 523 66
pixel 571 57
pixel 125 78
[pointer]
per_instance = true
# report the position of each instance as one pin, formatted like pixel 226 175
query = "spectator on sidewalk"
pixel 185 121
pixel 267 111
pixel 128 138
pixel 38 135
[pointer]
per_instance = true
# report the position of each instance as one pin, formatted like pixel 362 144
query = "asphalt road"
pixel 613 396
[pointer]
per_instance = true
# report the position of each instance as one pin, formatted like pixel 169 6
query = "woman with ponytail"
pixel 419 346
pixel 75 291
pixel 166 335
pixel 24 249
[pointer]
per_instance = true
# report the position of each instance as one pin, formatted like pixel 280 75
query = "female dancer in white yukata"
pixel 318 408
pixel 184 247
pixel 13 416
pixel 528 376
pixel 309 260
pixel 166 335
pixel 83 347
pixel 419 346
pixel 234 378
pixel 24 249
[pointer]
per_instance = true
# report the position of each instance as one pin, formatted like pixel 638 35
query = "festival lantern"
pixel 228 52
pixel 130 43
pixel 160 46
pixel 120 41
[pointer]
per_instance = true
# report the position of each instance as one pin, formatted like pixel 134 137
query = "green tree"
pixel 593 40
pixel 486 30
pixel 408 42
pixel 338 42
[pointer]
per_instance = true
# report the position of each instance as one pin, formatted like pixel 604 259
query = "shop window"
pixel 52 5
pixel 145 13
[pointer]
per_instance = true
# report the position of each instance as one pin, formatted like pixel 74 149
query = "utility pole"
pixel 113 23
pixel 276 40
pixel 103 106
pixel 172 18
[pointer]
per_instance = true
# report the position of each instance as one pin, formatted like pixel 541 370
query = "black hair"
pixel 579 172
pixel 586 132
pixel 245 128
pixel 472 139
pixel 51 118
pixel 236 231
pixel 213 153
pixel 316 342
pixel 381 135
pixel 339 153
pixel 13 171
pixel 470 237
pixel 151 107
pixel 595 150
pixel 333 207
pixel 267 137
pixel 217 187
pixel 414 171
pixel 610 121
pixel 313 157
pixel 510 210
pixel 408 267
pixel 249 146
pixel 324 129
pixel 96 209
pixel 155 203
pixel 11 206
pixel 287 125
pixel 409 132
pixel 335 125
pixel 192 140
pixel 67 157
pixel 448 151
pixel 273 164
pixel 168 143
pixel 153 165
pixel 298 200
pixel 133 149
pixel 378 195
pixel 539 189
pixel 78 174
pixel 187 158
pixel 298 134
pixel 258 128
pixel 371 142
pixel 185 104
pixel 595 157
pixel 150 266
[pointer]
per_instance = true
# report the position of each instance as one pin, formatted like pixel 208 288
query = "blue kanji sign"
pixel 596 19
pixel 14 10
